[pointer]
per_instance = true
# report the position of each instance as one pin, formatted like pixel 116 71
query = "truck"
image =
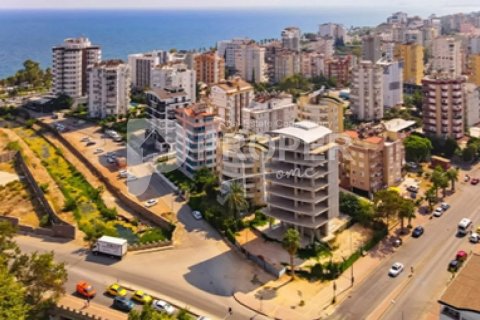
pixel 111 246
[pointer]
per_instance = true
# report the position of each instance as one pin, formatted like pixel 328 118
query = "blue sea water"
pixel 27 34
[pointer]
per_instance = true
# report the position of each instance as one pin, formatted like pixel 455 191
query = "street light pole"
pixel 352 279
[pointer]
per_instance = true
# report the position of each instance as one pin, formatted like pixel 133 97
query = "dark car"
pixel 90 143
pixel 122 303
pixel 454 265
pixel 397 242
pixel 417 232
pixel 475 181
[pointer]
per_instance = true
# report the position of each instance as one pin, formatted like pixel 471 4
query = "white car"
pixel 396 269
pixel 163 306
pixel 474 237
pixel 438 212
pixel 123 173
pixel 197 215
pixel 85 139
pixel 151 203
pixel 131 178
pixel 445 206
pixel 203 318
pixel 98 151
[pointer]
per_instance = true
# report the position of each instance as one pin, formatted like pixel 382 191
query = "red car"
pixel 475 181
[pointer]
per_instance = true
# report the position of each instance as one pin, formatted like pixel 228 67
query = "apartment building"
pixel 366 93
pixel 371 48
pixel 210 68
pixel 332 30
pixel 227 49
pixel 243 161
pixel 251 63
pixel 370 161
pixel 312 64
pixel 162 104
pixel 268 112
pixel 175 76
pixel 291 37
pixel 472 104
pixel 443 105
pixel 196 139
pixel 70 62
pixel 141 65
pixel 229 98
pixel 108 89
pixel 302 187
pixel 323 109
pixel 325 46
pixel 339 68
pixel 474 66
pixel 474 45
pixel 392 82
pixel 446 56
pixel 286 64
pixel 412 56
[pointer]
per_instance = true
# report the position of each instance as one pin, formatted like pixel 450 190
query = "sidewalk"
pixel 71 305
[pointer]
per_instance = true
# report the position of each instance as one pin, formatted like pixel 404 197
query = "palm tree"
pixel 236 201
pixel 430 197
pixel 406 211
pixel 291 243
pixel 452 175
pixel 437 179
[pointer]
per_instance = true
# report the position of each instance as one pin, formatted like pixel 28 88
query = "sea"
pixel 30 34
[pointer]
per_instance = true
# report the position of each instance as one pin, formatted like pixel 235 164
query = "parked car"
pixel 85 139
pixel 123 173
pixel 197 215
pixel 141 297
pixel 163 306
pixel 474 237
pixel 98 151
pixel 203 318
pixel 418 231
pixel 461 255
pixel 131 177
pixel 438 212
pixel 445 206
pixel 116 290
pixel 122 303
pixel 397 242
pixel 475 181
pixel 454 265
pixel 84 289
pixel 412 189
pixel 151 203
pixel 90 143
pixel 396 269
pixel 110 160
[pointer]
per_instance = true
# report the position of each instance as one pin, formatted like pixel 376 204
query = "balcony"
pixel 309 209
pixel 300 220
pixel 304 196
pixel 304 184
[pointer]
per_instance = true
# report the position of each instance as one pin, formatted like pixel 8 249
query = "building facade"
pixel 70 62
pixel 141 65
pixel 322 109
pixel 371 48
pixel 286 64
pixel 392 82
pixel 302 187
pixel 446 56
pixel 210 68
pixel 412 56
pixel 443 106
pixel 291 37
pixel 109 89
pixel 366 93
pixel 175 76
pixel 339 69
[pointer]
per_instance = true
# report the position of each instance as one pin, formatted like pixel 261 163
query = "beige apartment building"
pixel 302 184
pixel 323 109
pixel 229 98
pixel 412 55
pixel 369 163
pixel 286 64
pixel 443 106
pixel 366 93
pixel 210 68
pixel 242 160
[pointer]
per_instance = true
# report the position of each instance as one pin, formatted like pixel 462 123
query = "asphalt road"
pixel 406 297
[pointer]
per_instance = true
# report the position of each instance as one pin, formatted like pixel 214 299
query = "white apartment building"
pixel 229 98
pixel 302 187
pixel 175 76
pixel 255 68
pixel 366 93
pixel 325 46
pixel 162 104
pixel 227 49
pixel 446 56
pixel 398 18
pixel 371 48
pixel 141 65
pixel 109 89
pixel 269 112
pixel 286 64
pixel 70 62
pixel 243 161
pixel 414 36
pixel 472 104
pixel 332 30
pixel 392 82
pixel 196 139
pixel 474 45
pixel 312 64
pixel 291 37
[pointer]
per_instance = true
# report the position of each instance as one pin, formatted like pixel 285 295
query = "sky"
pixel 435 5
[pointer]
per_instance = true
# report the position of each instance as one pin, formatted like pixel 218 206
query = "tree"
pixel 439 180
pixel 452 175
pixel 431 198
pixel 291 243
pixel 361 210
pixel 386 203
pixel 417 149
pixel 469 153
pixel 406 211
pixel 205 180
pixel 236 201
pixel 148 313
pixel 12 297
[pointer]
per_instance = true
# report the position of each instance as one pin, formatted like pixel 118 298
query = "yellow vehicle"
pixel 141 297
pixel 116 290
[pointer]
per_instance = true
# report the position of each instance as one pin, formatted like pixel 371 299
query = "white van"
pixel 464 226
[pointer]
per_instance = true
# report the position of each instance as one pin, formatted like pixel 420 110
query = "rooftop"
pixel 306 131
pixel 164 94
pixel 235 84
pixel 464 291
pixel 398 124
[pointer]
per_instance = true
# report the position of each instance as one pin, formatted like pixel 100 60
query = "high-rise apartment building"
pixel 412 56
pixel 443 106
pixel 312 64
pixel 141 65
pixel 322 109
pixel 371 48
pixel 269 112
pixel 392 82
pixel 474 65
pixel 196 139
pixel 108 89
pixel 229 98
pixel 302 189
pixel 332 30
pixel 447 56
pixel 210 68
pixel 286 64
pixel 291 37
pixel 367 91
pixel 175 75
pixel 70 62
pixel 339 68
pixel 472 104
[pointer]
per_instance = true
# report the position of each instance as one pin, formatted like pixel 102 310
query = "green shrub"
pixel 69 205
pixel 45 221
pixel 152 235
pixel 44 187
pixel 230 235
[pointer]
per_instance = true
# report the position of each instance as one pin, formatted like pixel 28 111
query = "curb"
pixel 252 309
